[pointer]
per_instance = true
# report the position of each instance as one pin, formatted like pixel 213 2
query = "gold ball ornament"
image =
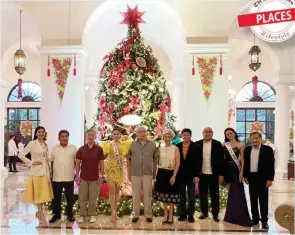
pixel 141 62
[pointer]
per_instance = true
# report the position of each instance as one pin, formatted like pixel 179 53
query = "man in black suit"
pixel 212 161
pixel 259 172
pixel 188 175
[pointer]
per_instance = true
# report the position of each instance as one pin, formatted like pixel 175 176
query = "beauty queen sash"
pixel 233 155
pixel 117 155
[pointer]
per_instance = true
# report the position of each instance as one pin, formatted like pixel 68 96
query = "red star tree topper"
pixel 132 16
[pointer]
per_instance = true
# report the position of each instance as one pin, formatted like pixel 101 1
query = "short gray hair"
pixel 140 127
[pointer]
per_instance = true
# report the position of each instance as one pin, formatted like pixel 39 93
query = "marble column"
pixel 198 112
pixel 68 114
pixel 91 105
pixel 177 103
pixel 3 170
pixel 282 129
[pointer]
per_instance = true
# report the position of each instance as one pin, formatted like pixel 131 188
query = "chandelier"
pixel 20 59
pixel 254 57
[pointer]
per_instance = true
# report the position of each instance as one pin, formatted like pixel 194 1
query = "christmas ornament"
pixel 75 72
pixel 141 62
pixel 20 89
pixel 193 63
pixel 132 16
pixel 26 128
pixel 221 65
pixel 48 66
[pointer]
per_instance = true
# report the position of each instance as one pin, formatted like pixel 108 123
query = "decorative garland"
pixel 61 67
pixel 26 128
pixel 207 68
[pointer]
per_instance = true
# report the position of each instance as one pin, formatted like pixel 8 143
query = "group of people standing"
pixel 166 174
pixel 12 153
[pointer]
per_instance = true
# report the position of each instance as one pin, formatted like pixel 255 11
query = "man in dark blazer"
pixel 259 172
pixel 212 162
pixel 188 175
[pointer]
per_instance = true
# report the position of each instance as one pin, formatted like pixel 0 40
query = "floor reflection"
pixel 20 218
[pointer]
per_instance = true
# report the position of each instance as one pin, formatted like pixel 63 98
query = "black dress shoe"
pixel 182 218
pixel 191 219
pixel 71 219
pixel 216 219
pixel 54 219
pixel 202 216
pixel 265 225
pixel 149 220
pixel 135 219
pixel 254 222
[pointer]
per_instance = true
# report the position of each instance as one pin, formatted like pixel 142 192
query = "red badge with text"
pixel 270 20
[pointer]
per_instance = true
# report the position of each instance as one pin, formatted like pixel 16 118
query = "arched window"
pixel 31 93
pixel 264 93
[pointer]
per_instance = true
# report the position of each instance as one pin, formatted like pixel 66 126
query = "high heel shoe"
pixel 42 222
pixel 170 221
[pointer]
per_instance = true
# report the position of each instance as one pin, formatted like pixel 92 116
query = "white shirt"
pixel 38 153
pixel 12 149
pixel 206 167
pixel 63 162
pixel 21 146
pixel 254 158
pixel 167 157
pixel 271 145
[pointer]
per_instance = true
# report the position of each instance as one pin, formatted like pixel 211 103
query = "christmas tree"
pixel 131 82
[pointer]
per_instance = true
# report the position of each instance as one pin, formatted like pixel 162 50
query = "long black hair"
pixel 37 129
pixel 232 130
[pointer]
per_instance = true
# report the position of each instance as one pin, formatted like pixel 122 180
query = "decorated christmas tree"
pixel 131 83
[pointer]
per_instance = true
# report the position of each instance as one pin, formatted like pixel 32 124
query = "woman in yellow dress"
pixel 38 188
pixel 115 152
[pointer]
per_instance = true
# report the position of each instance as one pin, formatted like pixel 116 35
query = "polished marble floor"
pixel 19 218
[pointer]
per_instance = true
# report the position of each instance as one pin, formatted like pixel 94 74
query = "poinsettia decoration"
pixel 61 67
pixel 207 67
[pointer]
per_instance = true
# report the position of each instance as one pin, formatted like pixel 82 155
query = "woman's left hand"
pixel 241 177
pixel 172 180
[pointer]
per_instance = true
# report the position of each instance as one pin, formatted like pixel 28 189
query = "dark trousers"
pixel 258 191
pixel 12 163
pixel 69 194
pixel 211 183
pixel 189 188
pixel 5 160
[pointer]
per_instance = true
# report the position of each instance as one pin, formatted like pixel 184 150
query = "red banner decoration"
pixel 20 89
pixel 48 66
pixel 193 68
pixel 207 68
pixel 75 71
pixel 61 67
pixel 255 88
pixel 221 65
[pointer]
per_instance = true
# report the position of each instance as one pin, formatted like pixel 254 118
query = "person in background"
pixel 259 172
pixel 38 188
pixel 63 165
pixel 115 151
pixel 142 169
pixel 166 186
pixel 88 159
pixel 21 145
pixel 188 175
pixel 268 142
pixel 12 153
pixel 236 209
pixel 212 162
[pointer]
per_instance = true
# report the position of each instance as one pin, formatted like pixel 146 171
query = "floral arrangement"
pixel 207 68
pixel 61 67
pixel 257 127
pixel 26 128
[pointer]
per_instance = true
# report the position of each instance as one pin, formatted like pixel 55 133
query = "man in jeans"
pixel 142 165
pixel 63 165
pixel 88 160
